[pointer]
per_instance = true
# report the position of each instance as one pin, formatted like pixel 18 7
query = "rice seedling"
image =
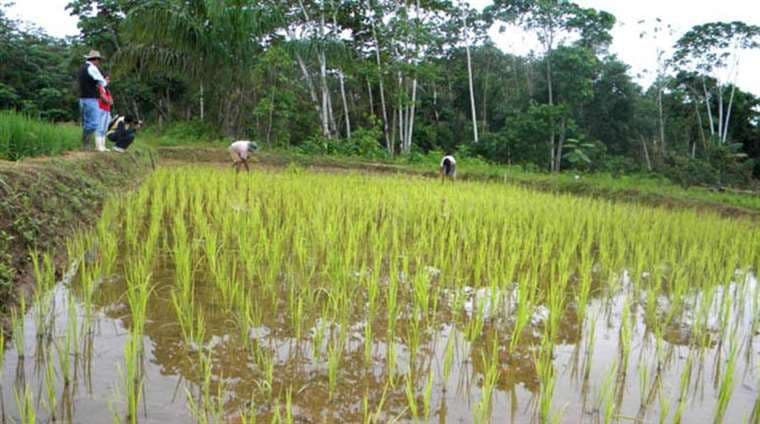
pixel 334 354
pixel 25 405
pixel 727 383
pixel 547 380
pixel 132 378
pixel 411 396
pixel 18 329
pixel 491 366
pixel 683 389
pixel 51 394
pixel 607 404
pixel 448 358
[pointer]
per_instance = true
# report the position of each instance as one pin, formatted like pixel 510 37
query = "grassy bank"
pixel 650 190
pixel 43 201
pixel 22 136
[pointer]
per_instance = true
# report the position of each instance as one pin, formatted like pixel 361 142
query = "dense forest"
pixel 383 78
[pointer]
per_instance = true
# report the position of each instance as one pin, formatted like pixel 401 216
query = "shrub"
pixel 688 172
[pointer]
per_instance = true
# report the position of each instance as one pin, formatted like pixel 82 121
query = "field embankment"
pixel 640 190
pixel 42 201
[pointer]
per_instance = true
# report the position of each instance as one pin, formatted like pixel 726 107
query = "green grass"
pixel 22 136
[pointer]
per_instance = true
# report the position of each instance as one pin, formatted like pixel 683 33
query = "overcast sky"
pixel 639 53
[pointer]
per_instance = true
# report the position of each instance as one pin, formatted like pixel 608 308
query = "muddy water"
pixel 172 372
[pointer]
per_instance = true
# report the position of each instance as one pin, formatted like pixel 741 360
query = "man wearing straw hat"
pixel 90 78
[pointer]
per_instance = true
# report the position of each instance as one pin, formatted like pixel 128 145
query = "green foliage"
pixel 35 74
pixel 265 70
pixel 688 172
pixel 578 152
pixel 22 136
pixel 184 133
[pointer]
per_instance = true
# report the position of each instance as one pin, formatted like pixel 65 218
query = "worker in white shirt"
pixel 448 167
pixel 239 151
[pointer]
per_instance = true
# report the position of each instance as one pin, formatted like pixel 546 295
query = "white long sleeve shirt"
pixel 96 74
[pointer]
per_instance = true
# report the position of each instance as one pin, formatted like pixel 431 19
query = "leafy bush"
pixel 186 132
pixel 22 136
pixel 687 172
pixel 364 142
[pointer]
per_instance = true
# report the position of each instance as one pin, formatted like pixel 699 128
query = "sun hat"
pixel 93 54
pixel 252 146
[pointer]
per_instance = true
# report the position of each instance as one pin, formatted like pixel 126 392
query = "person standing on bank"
pixel 90 78
pixel 448 166
pixel 105 101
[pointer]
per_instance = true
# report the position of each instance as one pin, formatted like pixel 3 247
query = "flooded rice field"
pixel 298 297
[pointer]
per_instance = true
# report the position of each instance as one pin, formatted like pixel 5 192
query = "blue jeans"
pixel 90 115
pixel 103 121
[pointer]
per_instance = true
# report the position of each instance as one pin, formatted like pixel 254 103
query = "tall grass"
pixel 22 136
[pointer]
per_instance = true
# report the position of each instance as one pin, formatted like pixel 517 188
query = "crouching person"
pixel 122 131
pixel 239 151
pixel 448 167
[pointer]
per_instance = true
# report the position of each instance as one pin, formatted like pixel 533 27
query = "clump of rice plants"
pixel 22 136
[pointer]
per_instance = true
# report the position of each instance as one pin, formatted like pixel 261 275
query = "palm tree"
pixel 201 41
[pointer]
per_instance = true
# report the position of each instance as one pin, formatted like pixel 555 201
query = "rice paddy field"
pixel 292 296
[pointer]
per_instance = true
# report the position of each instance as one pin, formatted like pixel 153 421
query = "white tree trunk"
pixel 728 113
pixel 203 103
pixel 401 120
pixel 312 91
pixel 472 94
pixel 661 117
pixel 341 78
pixel 709 108
pixel 412 109
pixel 720 113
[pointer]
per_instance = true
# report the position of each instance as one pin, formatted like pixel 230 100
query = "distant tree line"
pixel 391 77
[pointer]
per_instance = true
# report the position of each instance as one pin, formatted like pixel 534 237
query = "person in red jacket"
pixel 105 101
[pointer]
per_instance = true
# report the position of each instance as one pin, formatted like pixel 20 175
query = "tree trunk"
pixel 661 118
pixel 436 114
pixel 388 141
pixel 271 115
pixel 720 113
pixel 412 109
pixel 709 108
pixel 646 154
pixel 728 113
pixel 345 103
pixel 312 90
pixel 701 126
pixel 472 94
pixel 203 103
pixel 550 86
pixel 560 145
pixel 371 101
pixel 326 112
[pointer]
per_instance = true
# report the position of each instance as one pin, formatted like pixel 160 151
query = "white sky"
pixel 640 54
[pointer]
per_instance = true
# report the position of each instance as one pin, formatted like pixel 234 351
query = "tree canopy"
pixel 402 77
